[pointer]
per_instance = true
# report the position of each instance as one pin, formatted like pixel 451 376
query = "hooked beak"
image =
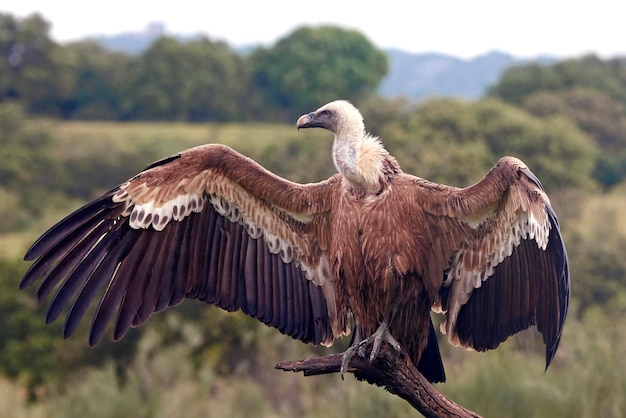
pixel 307 120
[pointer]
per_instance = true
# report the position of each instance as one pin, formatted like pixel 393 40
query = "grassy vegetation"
pixel 587 380
pixel 169 136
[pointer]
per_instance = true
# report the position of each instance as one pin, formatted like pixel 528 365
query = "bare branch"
pixel 392 371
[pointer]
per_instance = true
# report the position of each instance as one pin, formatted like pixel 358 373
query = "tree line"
pixel 201 80
pixel 589 91
pixel 195 80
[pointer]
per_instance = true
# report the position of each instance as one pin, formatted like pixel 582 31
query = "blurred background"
pixel 91 94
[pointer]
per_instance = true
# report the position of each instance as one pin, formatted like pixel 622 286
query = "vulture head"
pixel 339 117
pixel 358 156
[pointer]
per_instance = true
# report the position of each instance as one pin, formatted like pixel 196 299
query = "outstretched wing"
pixel 509 268
pixel 207 224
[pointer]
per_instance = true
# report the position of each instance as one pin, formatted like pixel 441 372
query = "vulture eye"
pixel 325 113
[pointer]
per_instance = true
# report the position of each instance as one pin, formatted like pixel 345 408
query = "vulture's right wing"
pixel 207 224
pixel 508 268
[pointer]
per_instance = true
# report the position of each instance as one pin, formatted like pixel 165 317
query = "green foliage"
pixel 287 158
pixel 25 341
pixel 602 118
pixel 93 82
pixel 456 142
pixel 588 91
pixel 27 70
pixel 196 80
pixel 315 65
pixel 590 72
pixel 594 112
pixel 586 379
pixel 93 157
pixel 17 145
pixel 26 164
pixel 596 239
pixel 33 352
pixel 103 395
pixel 550 147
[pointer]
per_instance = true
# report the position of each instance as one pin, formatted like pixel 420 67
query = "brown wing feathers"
pixel 558 255
pixel 517 297
pixel 501 306
pixel 528 286
pixel 95 254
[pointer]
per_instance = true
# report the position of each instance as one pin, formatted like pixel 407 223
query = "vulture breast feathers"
pixel 371 243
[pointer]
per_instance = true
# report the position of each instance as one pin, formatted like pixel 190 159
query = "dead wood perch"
pixel 394 372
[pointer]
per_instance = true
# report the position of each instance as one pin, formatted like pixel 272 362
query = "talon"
pixel 347 357
pixel 361 351
pixel 355 348
pixel 375 348
pixel 382 334
pixel 376 340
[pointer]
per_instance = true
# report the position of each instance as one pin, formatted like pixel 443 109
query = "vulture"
pixel 372 250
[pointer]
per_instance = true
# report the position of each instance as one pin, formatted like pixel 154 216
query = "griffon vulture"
pixel 371 242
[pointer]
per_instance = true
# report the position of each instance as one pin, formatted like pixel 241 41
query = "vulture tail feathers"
pixel 430 364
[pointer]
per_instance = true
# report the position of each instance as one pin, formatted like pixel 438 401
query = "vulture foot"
pixel 375 340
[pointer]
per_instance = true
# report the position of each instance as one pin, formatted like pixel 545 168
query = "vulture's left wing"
pixel 509 270
pixel 207 224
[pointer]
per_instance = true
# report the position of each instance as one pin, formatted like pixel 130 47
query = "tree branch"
pixel 392 371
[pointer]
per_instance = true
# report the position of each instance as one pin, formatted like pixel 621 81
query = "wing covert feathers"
pixel 204 224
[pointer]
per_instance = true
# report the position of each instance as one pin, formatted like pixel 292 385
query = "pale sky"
pixel 462 28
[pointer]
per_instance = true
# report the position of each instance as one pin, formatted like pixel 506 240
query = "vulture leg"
pixel 375 340
pixel 356 346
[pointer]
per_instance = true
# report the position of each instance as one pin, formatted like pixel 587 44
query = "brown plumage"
pixel 371 241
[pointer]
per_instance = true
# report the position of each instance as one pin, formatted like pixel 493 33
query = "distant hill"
pixel 135 42
pixel 417 76
pixel 414 76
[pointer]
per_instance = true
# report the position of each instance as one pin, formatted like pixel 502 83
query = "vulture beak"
pixel 308 120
